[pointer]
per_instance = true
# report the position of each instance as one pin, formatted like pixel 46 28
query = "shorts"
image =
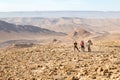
pixel 82 47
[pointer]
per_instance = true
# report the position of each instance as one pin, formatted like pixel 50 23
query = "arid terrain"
pixel 58 61
pixel 68 24
pixel 39 45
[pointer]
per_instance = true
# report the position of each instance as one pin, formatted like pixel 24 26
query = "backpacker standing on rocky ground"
pixel 75 46
pixel 89 43
pixel 82 44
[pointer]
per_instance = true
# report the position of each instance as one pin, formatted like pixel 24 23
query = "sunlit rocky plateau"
pixel 58 61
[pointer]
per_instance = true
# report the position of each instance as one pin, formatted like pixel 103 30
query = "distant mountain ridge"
pixel 67 24
pixel 9 31
pixel 58 14
pixel 9 27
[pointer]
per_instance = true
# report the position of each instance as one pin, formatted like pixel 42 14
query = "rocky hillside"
pixel 9 27
pixel 69 24
pixel 80 33
pixel 108 36
pixel 60 62
pixel 10 31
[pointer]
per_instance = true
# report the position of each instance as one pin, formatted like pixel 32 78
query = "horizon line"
pixel 61 11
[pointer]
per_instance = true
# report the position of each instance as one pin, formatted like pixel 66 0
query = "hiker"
pixel 82 46
pixel 75 46
pixel 89 43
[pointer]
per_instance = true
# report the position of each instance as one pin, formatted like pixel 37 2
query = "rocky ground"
pixel 60 62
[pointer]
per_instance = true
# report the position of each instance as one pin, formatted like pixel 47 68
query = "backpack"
pixel 82 43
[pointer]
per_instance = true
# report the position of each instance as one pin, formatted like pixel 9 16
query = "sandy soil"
pixel 60 62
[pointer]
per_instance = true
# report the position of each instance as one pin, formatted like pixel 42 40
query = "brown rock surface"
pixel 60 62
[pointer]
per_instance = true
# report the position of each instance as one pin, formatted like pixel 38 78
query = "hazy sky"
pixel 58 5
